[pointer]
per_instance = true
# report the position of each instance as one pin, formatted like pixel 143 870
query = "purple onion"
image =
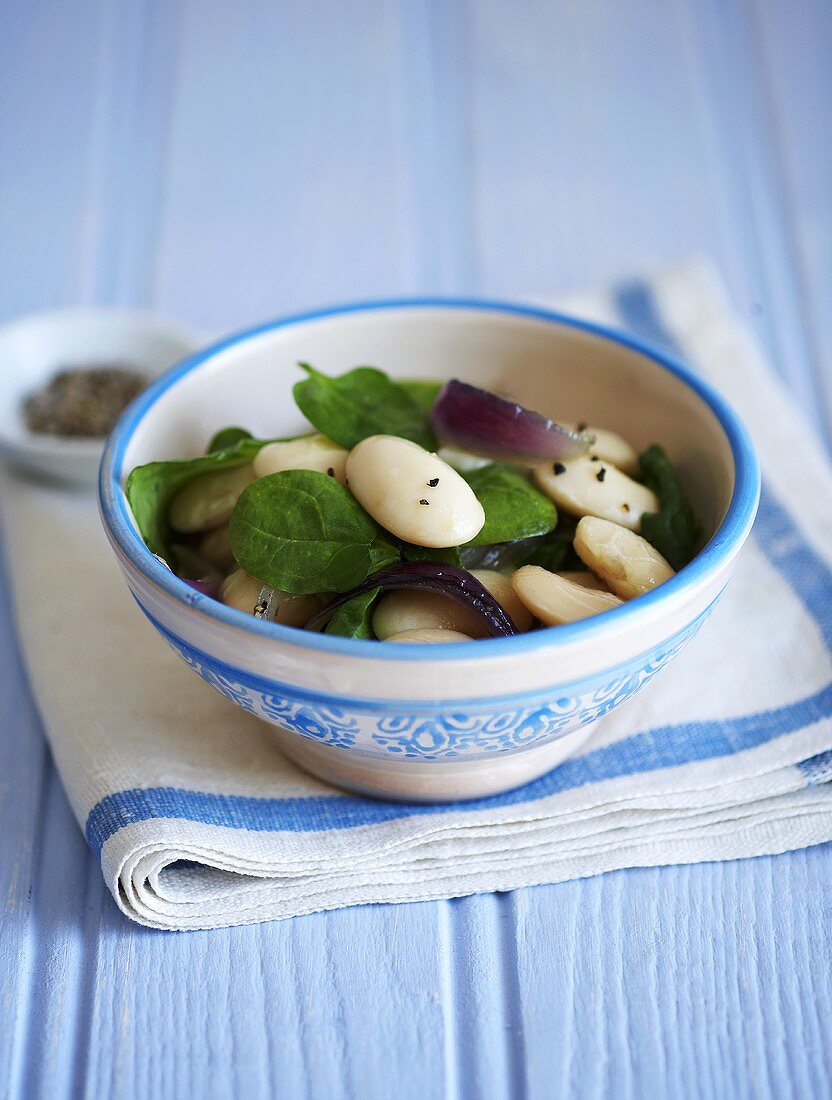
pixel 429 576
pixel 205 585
pixel 482 423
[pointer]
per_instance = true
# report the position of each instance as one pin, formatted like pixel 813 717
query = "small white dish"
pixel 33 348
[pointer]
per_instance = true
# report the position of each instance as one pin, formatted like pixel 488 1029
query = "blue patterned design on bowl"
pixel 460 728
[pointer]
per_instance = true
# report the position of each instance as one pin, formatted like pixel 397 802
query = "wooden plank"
pixel 24 777
pixel 795 87
pixel 685 982
pixel 286 173
pixel 48 55
pixel 226 163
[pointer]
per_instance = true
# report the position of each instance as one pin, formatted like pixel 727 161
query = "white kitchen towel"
pixel 199 822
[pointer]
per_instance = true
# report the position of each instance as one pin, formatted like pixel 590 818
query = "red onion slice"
pixel 478 421
pixel 207 586
pixel 430 576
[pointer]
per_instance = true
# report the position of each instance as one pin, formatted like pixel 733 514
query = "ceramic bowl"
pixel 438 722
pixel 35 347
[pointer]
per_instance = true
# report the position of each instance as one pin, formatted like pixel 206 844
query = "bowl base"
pixel 430 781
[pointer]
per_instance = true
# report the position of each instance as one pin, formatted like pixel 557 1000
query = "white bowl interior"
pixel 560 370
pixel 34 348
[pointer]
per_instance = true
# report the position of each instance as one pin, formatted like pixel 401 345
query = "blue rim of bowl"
pixel 724 543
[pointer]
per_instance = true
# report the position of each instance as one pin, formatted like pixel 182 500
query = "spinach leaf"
pixel 448 555
pixel 383 552
pixel 555 551
pixel 302 531
pixel 423 392
pixel 227 437
pixel 554 554
pixel 674 531
pixel 514 509
pixel 362 402
pixel 354 619
pixel 499 555
pixel 150 488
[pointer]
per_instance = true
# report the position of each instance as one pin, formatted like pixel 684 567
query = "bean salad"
pixel 417 511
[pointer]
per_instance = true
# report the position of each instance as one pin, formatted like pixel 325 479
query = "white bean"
pixel 411 610
pixel 429 635
pixel 501 588
pixel 625 561
pixel 190 563
pixel 294 610
pixel 555 600
pixel 405 610
pixel 583 578
pixel 463 460
pixel 312 452
pixel 584 487
pixel 242 591
pixel 412 493
pixel 208 500
pixel 611 447
pixel 215 548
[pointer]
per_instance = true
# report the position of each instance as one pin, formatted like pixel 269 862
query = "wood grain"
pixel 225 162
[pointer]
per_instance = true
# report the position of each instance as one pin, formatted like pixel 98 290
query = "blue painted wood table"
pixel 225 162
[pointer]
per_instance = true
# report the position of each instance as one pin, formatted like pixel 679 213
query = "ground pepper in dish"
pixel 82 401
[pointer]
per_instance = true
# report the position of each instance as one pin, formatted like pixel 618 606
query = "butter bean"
pixel 406 609
pixel 584 487
pixel 501 588
pixel 413 493
pixel 242 591
pixel 427 635
pixel 209 499
pixel 293 610
pixel 312 452
pixel 625 561
pixel 583 578
pixel 463 460
pixel 611 447
pixel 555 600
pixel 402 611
pixel 190 563
pixel 215 548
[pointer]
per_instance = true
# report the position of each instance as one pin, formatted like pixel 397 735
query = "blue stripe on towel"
pixel 781 540
pixel 665 747
pixel 817 769
pixel 636 305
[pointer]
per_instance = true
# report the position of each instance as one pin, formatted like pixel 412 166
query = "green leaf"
pixel 423 392
pixel 674 531
pixel 150 488
pixel 354 619
pixel 227 437
pixel 514 509
pixel 556 551
pixel 554 555
pixel 448 555
pixel 362 402
pixel 383 552
pixel 302 531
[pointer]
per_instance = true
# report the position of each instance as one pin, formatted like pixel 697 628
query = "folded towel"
pixel 199 822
